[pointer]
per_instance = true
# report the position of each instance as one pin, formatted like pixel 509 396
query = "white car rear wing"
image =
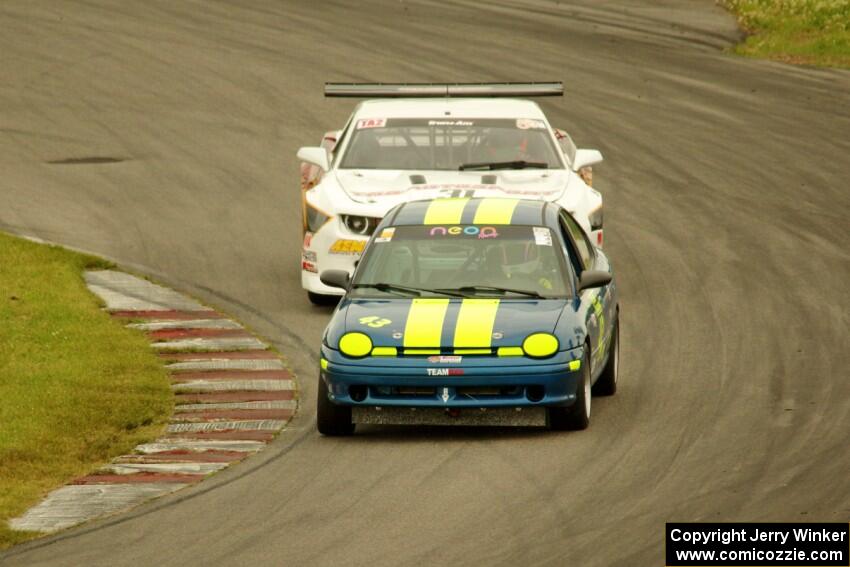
pixel 425 90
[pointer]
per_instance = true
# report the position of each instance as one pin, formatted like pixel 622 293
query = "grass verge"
pixel 809 32
pixel 76 387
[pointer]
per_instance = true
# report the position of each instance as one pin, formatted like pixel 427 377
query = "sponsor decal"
pixel 309 267
pixel 497 335
pixel 445 395
pixel 308 239
pixel 530 124
pixel 445 359
pixel 542 236
pixel 454 189
pixel 471 230
pixel 450 123
pixel 354 247
pixel 451 187
pixel 308 256
pixel 371 123
pixel 398 335
pixel 386 235
pixel 444 371
pixel 374 321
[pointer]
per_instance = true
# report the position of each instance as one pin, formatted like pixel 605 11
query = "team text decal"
pixel 444 371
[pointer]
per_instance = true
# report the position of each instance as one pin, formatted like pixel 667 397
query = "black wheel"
pixel 322 299
pixel 606 385
pixel 332 419
pixel 577 416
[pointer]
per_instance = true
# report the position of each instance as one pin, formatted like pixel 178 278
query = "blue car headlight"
pixel 355 345
pixel 540 345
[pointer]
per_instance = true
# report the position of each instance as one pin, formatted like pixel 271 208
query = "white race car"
pixel 423 141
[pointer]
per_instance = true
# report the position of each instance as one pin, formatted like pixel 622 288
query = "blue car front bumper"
pixel 475 382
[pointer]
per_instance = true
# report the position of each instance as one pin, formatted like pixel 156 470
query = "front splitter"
pixel 504 417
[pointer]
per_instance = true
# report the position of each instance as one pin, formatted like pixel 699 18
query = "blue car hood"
pixel 386 321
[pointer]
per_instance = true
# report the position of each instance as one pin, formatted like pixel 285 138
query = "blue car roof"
pixel 481 211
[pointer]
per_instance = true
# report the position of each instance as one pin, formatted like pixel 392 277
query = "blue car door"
pixel 593 301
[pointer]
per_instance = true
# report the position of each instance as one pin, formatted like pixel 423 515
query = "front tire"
pixel 322 300
pixel 332 419
pixel 577 416
pixel 606 385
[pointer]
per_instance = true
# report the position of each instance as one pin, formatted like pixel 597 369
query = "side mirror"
pixel 585 158
pixel 335 278
pixel 315 155
pixel 591 279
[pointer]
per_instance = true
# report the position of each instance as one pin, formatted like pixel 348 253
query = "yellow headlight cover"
pixel 540 345
pixel 355 344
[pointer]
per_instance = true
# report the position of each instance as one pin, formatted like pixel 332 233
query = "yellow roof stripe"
pixel 445 211
pixel 495 211
pixel 424 324
pixel 475 323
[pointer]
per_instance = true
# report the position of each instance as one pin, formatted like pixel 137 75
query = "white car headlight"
pixel 360 225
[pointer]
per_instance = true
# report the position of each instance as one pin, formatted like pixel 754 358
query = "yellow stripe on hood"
pixel 475 321
pixel 445 211
pixel 424 325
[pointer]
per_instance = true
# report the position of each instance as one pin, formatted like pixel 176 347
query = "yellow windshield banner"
pixel 475 321
pixel 424 326
pixel 495 211
pixel 445 211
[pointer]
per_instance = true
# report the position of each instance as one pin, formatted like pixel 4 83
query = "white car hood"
pixel 387 188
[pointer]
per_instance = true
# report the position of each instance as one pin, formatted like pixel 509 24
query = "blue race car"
pixel 471 311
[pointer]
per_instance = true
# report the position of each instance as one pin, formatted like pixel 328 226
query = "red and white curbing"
pixel 233 396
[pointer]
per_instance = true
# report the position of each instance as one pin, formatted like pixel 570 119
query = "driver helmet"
pixel 505 144
pixel 516 259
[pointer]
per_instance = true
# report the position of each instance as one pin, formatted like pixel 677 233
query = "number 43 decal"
pixel 374 321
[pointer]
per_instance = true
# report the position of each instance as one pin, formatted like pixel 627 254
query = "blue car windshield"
pixel 467 260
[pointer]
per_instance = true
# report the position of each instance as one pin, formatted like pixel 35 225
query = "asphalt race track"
pixel 726 189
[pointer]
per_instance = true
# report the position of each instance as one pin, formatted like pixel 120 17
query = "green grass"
pixel 809 32
pixel 76 387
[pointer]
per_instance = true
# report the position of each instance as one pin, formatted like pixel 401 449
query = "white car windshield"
pixel 467 260
pixel 450 144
